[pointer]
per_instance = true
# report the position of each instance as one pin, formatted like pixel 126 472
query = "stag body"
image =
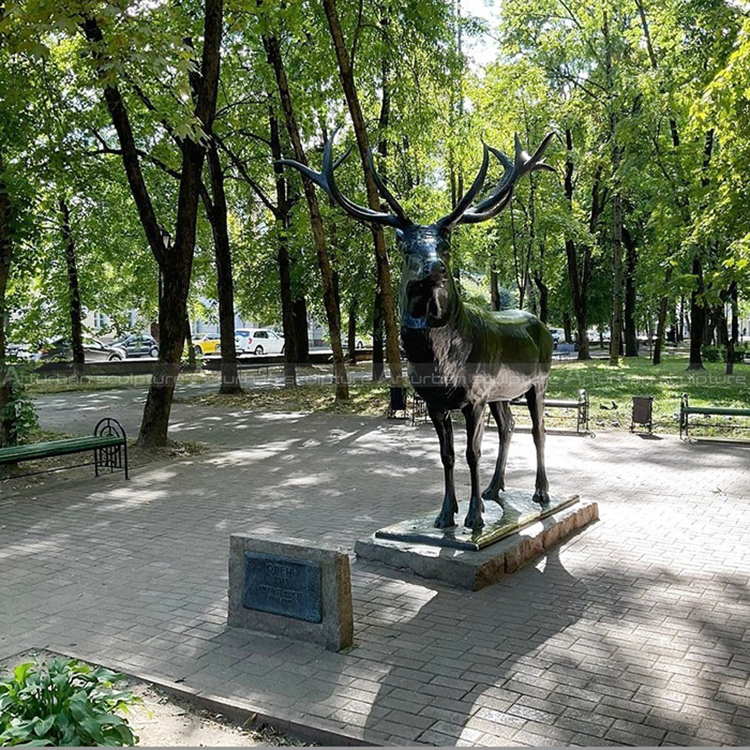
pixel 462 357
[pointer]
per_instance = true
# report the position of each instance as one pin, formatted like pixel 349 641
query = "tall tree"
pixel 333 313
pixel 218 213
pixel 174 260
pixel 74 293
pixel 6 247
pixel 345 59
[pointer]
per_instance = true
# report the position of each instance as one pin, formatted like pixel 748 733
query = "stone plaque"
pixel 283 586
pixel 290 588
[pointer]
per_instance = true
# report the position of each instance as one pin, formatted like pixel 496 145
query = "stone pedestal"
pixel 516 531
pixel 290 588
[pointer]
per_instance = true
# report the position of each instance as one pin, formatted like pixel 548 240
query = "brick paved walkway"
pixel 635 632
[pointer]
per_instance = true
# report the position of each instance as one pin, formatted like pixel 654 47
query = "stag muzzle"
pixel 426 300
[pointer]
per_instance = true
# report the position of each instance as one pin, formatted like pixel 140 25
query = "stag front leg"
pixel 444 428
pixel 474 431
pixel 504 420
pixel 535 401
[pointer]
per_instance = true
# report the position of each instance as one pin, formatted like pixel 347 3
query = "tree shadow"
pixel 548 657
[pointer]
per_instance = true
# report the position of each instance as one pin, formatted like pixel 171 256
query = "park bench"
pixel 719 411
pixel 581 406
pixel 108 444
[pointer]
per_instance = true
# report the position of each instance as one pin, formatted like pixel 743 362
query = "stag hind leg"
pixel 504 420
pixel 474 431
pixel 535 401
pixel 444 428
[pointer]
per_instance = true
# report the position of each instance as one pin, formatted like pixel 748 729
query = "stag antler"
pixel 492 206
pixel 326 180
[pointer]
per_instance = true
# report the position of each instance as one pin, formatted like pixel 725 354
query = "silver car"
pixel 61 350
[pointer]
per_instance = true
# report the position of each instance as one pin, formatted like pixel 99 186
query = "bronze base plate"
pixel 515 510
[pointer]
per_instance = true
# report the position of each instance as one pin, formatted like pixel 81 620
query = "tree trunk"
pixel 273 53
pixel 616 340
pixel 230 379
pixel 192 362
pixel 631 259
pixel 579 278
pixel 543 297
pixel 660 326
pixel 579 302
pixel 568 326
pixel 378 365
pixel 351 341
pixel 720 321
pixel 175 261
pixel 662 320
pixel 346 74
pixel 697 317
pixel 494 290
pixel 74 294
pixel 697 304
pixel 282 255
pixel 302 338
pixel 735 336
pixel 8 433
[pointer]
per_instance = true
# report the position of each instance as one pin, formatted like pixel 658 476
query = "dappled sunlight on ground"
pixel 633 629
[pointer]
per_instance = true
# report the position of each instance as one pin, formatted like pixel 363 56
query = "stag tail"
pixel 495 203
pixel 327 180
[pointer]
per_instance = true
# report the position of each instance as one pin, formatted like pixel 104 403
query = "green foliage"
pixel 711 353
pixel 19 413
pixel 721 354
pixel 63 702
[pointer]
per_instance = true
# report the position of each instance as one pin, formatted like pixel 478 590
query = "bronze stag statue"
pixel 461 356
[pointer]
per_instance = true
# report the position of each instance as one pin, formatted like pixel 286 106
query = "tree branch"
pixel 242 169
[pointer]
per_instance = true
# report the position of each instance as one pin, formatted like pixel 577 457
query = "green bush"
pixel 18 416
pixel 711 353
pixel 739 354
pixel 64 702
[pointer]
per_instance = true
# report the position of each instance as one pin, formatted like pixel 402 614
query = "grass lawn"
pixel 638 377
pixel 39 385
pixel 607 387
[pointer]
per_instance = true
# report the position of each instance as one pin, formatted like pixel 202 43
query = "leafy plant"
pixel 63 702
pixel 738 356
pixel 711 353
pixel 18 415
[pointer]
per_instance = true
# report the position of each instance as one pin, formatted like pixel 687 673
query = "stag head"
pixel 427 285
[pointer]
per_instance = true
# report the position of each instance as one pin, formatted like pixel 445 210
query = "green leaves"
pixel 63 702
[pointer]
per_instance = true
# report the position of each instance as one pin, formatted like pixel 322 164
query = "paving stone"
pixel 639 624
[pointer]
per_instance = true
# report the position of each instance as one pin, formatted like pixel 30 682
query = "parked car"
pixel 206 343
pixel 558 335
pixel 595 336
pixel 360 342
pixel 61 350
pixel 258 341
pixel 21 352
pixel 138 345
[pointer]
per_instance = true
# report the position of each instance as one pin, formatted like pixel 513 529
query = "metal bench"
pixel 109 445
pixel 720 411
pixel 581 406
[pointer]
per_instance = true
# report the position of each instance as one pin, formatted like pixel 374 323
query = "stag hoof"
pixel 474 521
pixel 493 493
pixel 445 521
pixel 541 497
